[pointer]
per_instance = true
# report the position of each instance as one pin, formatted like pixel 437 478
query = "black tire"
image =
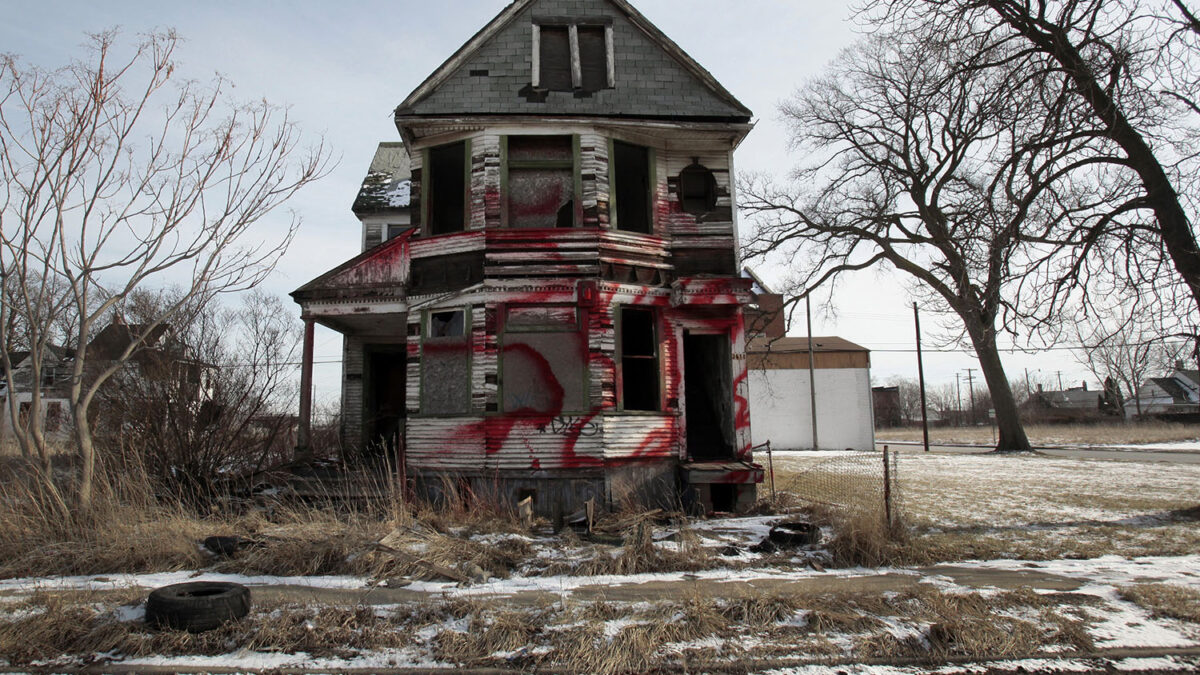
pixel 197 606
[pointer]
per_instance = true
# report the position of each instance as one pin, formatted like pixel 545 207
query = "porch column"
pixel 303 451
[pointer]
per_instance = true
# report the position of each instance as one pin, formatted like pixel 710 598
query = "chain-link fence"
pixel 844 481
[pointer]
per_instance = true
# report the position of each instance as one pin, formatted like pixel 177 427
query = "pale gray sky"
pixel 343 67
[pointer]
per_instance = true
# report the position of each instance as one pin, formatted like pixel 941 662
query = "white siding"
pixel 780 409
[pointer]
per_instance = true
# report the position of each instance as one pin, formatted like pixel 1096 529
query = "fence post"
pixel 887 491
pixel 771 469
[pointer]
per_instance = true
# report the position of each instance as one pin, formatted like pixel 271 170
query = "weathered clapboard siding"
pixel 485 202
pixel 642 437
pixel 594 178
pixel 352 391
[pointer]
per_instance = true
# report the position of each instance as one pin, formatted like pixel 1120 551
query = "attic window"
pixel 446 188
pixel 572 56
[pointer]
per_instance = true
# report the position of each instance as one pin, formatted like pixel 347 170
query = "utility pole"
pixel 921 376
pixel 971 387
pixel 1059 373
pixel 812 378
pixel 958 400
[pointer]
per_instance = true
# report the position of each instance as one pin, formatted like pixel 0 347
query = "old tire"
pixel 197 606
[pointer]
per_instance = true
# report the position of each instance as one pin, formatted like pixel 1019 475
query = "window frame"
pixel 581 316
pixel 651 187
pixel 576 176
pixel 466 339
pixel 572 25
pixel 656 326
pixel 427 189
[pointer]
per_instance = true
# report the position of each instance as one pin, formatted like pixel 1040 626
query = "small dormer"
pixel 383 201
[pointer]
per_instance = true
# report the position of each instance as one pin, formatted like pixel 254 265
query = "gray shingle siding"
pixel 649 82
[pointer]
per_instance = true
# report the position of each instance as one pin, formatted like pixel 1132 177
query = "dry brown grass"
pixel 1054 434
pixel 1166 600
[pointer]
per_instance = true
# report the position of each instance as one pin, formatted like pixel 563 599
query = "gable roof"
pixel 383 269
pixel 115 338
pixel 654 77
pixel 388 184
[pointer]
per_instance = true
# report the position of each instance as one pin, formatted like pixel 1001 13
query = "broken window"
pixel 446 324
pixel 446 364
pixel 446 189
pixel 639 360
pixel 697 189
pixel 572 57
pixel 541 185
pixel 543 361
pixel 631 187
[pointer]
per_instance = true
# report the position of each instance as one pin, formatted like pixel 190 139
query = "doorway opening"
pixel 384 400
pixel 708 397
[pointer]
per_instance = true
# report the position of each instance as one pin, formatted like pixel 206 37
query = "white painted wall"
pixel 780 409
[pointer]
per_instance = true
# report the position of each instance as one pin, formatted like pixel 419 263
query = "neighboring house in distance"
pixel 1075 404
pixel 563 320
pixel 1176 393
pixel 54 382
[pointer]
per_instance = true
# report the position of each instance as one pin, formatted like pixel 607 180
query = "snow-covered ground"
pixel 1102 513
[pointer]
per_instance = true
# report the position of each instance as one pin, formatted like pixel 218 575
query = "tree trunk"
pixel 1011 434
pixel 87 455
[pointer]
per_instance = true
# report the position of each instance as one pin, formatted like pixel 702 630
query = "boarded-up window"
pixel 555 57
pixel 593 58
pixel 631 191
pixel 541 181
pixel 639 360
pixel 543 361
pixel 446 364
pixel 447 180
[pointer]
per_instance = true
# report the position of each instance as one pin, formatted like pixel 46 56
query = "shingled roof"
pixel 653 78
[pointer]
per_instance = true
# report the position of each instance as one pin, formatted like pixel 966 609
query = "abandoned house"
pixel 548 304
pixel 53 380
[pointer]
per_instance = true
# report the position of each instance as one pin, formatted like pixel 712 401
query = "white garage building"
pixel 780 400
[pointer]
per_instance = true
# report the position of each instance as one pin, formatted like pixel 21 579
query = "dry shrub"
pixel 488 633
pixel 1165 600
pixel 421 553
pixel 639 554
pixel 48 626
pixel 126 529
pixel 861 537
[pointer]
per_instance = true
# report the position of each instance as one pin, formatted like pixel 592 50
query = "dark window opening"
pixel 555 58
pixel 639 360
pixel 697 190
pixel 593 58
pixel 23 411
pixel 447 188
pixel 541 181
pixel 446 324
pixel 708 396
pixel 631 189
pixel 395 230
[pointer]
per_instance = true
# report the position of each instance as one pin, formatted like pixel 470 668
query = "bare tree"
pixel 1125 346
pixel 912 166
pixel 116 176
pixel 1134 68
pixel 208 402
